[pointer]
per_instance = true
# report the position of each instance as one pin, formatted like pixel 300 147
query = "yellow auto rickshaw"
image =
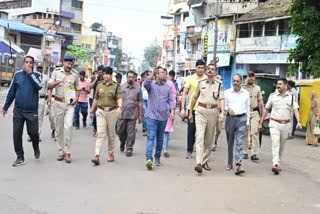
pixel 306 86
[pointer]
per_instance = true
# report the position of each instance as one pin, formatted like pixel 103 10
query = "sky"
pixel 137 22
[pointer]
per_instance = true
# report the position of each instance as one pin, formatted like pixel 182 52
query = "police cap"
pixel 69 59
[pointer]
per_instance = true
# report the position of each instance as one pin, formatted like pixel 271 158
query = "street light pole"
pixel 215 60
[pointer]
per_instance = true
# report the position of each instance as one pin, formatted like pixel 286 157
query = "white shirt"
pixel 239 102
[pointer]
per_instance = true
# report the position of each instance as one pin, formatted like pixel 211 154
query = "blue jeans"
pixel 144 110
pixel 155 131
pixel 83 107
pixel 165 140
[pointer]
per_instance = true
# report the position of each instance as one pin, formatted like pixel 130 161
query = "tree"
pixel 118 58
pixel 306 24
pixel 79 53
pixel 151 53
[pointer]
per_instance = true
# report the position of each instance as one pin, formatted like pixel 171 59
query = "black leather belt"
pixel 43 97
pixel 237 115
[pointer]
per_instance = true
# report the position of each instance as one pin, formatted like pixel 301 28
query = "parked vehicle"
pixel 305 87
pixel 7 70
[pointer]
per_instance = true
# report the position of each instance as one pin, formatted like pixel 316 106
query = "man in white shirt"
pixel 237 106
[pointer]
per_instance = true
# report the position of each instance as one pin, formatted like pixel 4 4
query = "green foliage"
pixel 117 60
pixel 79 53
pixel 306 23
pixel 151 53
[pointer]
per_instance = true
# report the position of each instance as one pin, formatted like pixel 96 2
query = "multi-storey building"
pixel 264 39
pixel 65 17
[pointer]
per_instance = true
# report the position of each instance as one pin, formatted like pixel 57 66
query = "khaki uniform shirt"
pixel 282 106
pixel 108 94
pixel 255 95
pixel 71 81
pixel 131 95
pixel 44 82
pixel 209 93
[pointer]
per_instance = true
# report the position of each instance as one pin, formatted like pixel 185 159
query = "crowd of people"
pixel 115 107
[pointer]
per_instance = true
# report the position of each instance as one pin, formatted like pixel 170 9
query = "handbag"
pixel 316 129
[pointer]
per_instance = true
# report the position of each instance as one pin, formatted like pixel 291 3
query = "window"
pixel 270 28
pixel 257 29
pixel 244 31
pixel 77 4
pixel 284 26
pixel 76 27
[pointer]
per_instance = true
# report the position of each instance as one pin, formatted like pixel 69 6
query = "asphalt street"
pixel 126 186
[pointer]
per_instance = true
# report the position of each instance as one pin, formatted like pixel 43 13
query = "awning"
pixel 22 28
pixel 5 47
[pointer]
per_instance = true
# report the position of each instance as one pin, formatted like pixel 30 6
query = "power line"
pixel 126 8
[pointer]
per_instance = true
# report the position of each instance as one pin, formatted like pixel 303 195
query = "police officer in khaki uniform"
pixel 209 94
pixel 256 106
pixel 65 80
pixel 108 99
pixel 282 104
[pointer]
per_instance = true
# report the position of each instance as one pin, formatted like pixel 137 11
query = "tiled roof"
pixel 269 9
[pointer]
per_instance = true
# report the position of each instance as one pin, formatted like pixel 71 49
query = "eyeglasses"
pixel 28 62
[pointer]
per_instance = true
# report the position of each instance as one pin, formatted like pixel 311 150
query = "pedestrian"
pixel 237 106
pixel 292 90
pixel 169 125
pixel 65 81
pixel 190 86
pixel 209 95
pixel 132 110
pixel 144 104
pixel 95 81
pixel 82 104
pixel 251 139
pixel 108 101
pixel 51 94
pixel 24 90
pixel 42 97
pixel 160 102
pixel 119 78
pixel 282 104
pixel 219 124
pixel 313 119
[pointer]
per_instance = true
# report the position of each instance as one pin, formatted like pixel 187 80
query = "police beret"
pixel 39 64
pixel 69 58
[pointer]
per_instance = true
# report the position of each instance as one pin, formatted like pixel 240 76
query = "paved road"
pixel 125 186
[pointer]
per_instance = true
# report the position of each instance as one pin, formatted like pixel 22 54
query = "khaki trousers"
pixel 206 121
pixel 64 119
pixel 252 135
pixel 41 111
pixel 51 119
pixel 279 133
pixel 106 124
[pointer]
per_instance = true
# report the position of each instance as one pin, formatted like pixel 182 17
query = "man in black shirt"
pixel 95 80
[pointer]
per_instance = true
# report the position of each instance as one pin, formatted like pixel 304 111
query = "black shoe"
pixel 245 156
pixel 94 132
pixel 239 170
pixel 84 124
pixel 53 133
pixel 121 147
pixel 254 158
pixel 18 162
pixel 96 160
pixel 37 152
pixel 198 168
pixel 128 154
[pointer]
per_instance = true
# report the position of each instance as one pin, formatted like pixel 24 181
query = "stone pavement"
pixel 125 186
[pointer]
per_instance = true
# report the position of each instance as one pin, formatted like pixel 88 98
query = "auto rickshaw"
pixel 306 86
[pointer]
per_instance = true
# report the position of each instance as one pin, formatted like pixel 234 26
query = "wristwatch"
pixel 120 107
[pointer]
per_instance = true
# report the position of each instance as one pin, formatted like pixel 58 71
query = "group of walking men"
pixel 118 107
